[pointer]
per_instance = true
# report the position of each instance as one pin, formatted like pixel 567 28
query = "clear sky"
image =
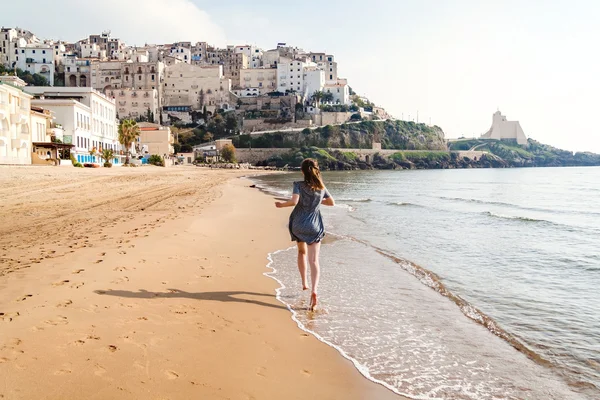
pixel 454 61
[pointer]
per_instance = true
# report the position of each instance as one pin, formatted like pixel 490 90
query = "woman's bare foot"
pixel 304 286
pixel 313 302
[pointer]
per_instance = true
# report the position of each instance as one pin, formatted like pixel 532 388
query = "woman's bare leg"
pixel 302 265
pixel 315 271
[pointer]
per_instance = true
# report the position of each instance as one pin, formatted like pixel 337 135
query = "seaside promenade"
pixel 147 283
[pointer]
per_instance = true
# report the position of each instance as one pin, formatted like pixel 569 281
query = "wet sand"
pixel 147 283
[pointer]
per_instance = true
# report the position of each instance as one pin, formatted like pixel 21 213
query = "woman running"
pixel 306 223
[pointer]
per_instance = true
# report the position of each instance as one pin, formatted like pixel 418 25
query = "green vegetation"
pixel 535 154
pixel 157 160
pixel 399 135
pixel 30 79
pixel 108 155
pixel 418 156
pixel 228 153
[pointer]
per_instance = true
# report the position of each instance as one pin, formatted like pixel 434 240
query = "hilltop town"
pixel 183 83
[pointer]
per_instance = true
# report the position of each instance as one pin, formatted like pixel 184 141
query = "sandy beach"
pixel 148 283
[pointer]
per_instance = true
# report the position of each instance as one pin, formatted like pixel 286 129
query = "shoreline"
pixel 133 293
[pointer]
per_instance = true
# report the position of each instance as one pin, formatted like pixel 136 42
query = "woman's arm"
pixel 328 201
pixel 290 203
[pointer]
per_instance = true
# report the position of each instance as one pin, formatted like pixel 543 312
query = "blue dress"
pixel 306 222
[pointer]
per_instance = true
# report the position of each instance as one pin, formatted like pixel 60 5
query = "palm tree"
pixel 108 155
pixel 129 131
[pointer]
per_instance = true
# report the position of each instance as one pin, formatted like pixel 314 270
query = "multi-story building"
pixel 314 81
pixel 199 53
pixel 92 50
pixel 15 129
pixel 290 76
pixel 106 75
pixel 88 118
pixel 136 103
pixel 184 54
pixel 253 54
pixel 37 58
pixel 326 62
pixel 78 71
pixel 262 79
pixel 7 36
pixel 191 87
pixel 340 92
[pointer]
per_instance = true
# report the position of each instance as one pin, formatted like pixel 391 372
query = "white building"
pixel 314 81
pixel 37 58
pixel 183 54
pixel 92 50
pixel 15 130
pixel 88 118
pixel 290 76
pixel 502 129
pixel 340 92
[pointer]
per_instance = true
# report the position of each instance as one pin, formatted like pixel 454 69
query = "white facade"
pixel 503 129
pixel 340 92
pixel 37 58
pixel 87 116
pixel 92 50
pixel 290 76
pixel 314 80
pixel 15 129
pixel 183 54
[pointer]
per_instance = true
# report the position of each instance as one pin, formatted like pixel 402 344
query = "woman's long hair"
pixel 312 174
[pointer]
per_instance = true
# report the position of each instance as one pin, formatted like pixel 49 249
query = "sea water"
pixel 459 284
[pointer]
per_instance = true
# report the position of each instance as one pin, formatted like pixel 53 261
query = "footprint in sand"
pixel 25 297
pixel 65 303
pixel 79 342
pixel 8 317
pixel 78 271
pixel 171 375
pixel 120 280
pixel 112 348
pixel 60 320
pixel 120 269
pixel 61 283
pixel 98 261
pixel 306 372
pixel 77 285
pixel 99 370
pixel 64 371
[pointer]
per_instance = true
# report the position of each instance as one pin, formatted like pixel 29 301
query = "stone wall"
pixel 257 125
pixel 253 156
pixel 331 118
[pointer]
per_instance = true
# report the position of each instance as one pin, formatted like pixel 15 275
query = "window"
pixel 33 51
pixel 43 51
pixel 152 79
pixel 22 51
pixel 330 77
